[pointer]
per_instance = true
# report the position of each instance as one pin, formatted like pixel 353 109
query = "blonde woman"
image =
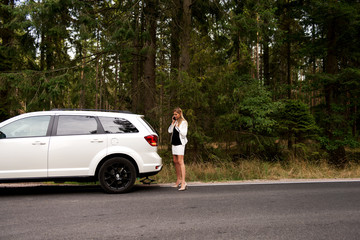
pixel 178 129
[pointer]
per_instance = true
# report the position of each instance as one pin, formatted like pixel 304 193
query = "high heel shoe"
pixel 183 188
pixel 176 185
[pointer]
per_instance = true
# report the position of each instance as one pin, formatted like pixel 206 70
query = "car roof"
pixel 92 112
pixel 75 112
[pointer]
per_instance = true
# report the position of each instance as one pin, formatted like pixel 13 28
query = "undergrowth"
pixel 219 170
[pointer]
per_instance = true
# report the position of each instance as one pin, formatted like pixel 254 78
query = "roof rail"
pixel 83 109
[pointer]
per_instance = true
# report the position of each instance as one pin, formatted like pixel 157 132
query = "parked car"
pixel 61 145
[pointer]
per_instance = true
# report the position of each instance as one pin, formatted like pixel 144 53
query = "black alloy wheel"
pixel 117 175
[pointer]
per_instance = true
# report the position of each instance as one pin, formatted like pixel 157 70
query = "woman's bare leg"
pixel 182 170
pixel 177 169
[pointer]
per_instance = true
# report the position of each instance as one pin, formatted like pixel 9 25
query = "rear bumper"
pixel 148 174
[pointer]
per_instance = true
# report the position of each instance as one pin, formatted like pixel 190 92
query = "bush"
pixel 296 124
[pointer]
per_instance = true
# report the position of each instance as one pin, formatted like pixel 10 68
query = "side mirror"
pixel 2 135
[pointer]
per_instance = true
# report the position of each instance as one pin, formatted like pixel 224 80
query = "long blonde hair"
pixel 180 111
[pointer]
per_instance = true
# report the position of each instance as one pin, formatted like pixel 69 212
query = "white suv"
pixel 112 147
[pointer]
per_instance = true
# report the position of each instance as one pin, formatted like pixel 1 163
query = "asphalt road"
pixel 235 211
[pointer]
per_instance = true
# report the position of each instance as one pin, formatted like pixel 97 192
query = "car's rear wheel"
pixel 117 175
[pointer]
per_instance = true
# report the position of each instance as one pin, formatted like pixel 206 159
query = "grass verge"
pixel 221 171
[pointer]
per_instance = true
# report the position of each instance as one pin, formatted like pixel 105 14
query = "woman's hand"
pixel 175 117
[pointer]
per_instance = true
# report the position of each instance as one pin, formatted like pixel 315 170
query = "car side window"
pixel 76 125
pixel 117 125
pixel 36 126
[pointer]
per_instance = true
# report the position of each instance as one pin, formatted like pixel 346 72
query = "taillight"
pixel 152 140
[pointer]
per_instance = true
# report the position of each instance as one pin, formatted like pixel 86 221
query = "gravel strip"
pixel 244 182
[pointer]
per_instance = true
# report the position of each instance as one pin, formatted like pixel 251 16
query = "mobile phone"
pixel 174 118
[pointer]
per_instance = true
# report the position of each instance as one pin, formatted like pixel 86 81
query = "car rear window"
pixel 148 124
pixel 117 125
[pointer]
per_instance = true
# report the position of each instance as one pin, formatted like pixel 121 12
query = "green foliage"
pixel 335 119
pixel 247 59
pixel 251 122
pixel 295 122
pixel 253 109
pixel 338 116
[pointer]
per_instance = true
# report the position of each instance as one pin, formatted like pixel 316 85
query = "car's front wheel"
pixel 117 175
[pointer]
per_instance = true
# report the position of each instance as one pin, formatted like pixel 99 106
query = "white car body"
pixel 51 153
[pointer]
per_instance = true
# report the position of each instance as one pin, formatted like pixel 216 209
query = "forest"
pixel 264 78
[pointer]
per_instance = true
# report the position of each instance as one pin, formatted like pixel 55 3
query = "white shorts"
pixel 178 150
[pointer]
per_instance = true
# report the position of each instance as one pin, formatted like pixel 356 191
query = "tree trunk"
pixel 150 13
pixel 175 35
pixel 117 83
pixel 186 36
pixel 288 56
pixel 97 76
pixel 266 62
pixel 6 37
pixel 82 80
pixel 257 50
pixel 136 72
pixel 354 112
pixel 337 156
pixel 42 51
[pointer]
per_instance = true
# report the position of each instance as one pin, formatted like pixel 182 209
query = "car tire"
pixel 117 175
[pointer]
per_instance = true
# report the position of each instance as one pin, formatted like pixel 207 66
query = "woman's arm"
pixel 171 128
pixel 183 128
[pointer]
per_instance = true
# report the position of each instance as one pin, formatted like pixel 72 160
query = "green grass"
pixel 221 171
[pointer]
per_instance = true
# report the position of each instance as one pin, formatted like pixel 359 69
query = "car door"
pixel 76 142
pixel 24 147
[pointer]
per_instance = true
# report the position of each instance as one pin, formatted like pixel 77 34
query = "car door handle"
pixel 38 143
pixel 97 141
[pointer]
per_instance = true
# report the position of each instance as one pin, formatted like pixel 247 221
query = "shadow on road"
pixel 45 189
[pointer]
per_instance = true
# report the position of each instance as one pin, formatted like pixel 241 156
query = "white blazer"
pixel 182 129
